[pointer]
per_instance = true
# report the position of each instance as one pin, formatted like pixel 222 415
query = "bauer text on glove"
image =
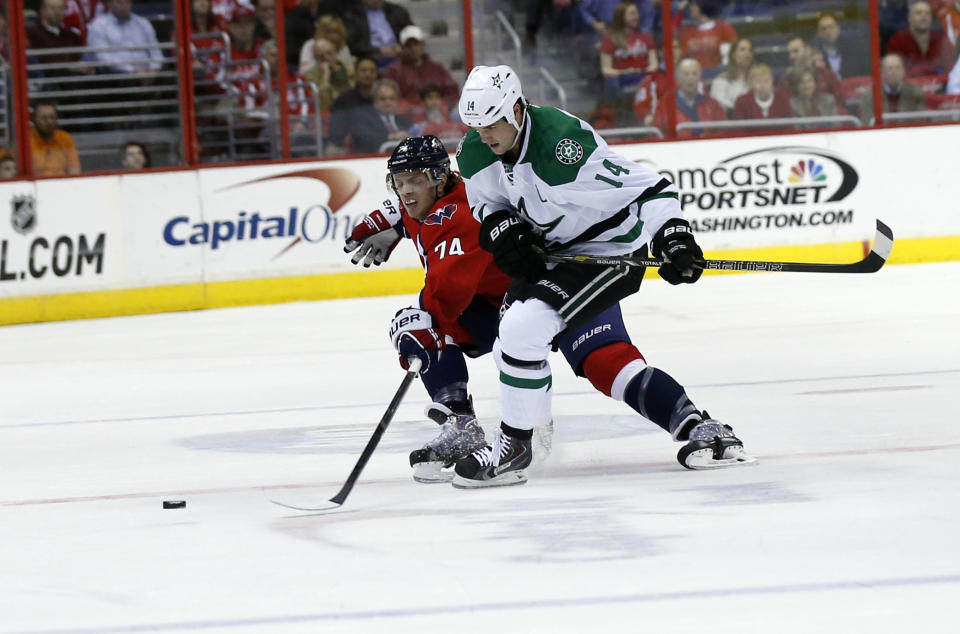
pixel 675 244
pixel 413 335
pixel 512 242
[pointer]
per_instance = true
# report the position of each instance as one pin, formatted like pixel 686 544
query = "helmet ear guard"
pixel 488 95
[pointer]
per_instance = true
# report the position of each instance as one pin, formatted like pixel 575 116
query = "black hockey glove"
pixel 675 244
pixel 512 242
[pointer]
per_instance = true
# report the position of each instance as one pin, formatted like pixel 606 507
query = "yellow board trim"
pixel 196 296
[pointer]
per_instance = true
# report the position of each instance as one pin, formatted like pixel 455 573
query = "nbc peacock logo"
pixel 807 171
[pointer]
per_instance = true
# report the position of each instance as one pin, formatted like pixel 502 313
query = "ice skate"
pixel 502 463
pixel 460 434
pixel 712 445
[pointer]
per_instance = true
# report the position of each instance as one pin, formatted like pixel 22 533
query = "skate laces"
pixel 492 454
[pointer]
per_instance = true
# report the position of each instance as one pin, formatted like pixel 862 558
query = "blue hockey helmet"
pixel 419 154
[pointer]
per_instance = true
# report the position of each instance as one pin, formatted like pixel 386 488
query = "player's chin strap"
pixel 873 262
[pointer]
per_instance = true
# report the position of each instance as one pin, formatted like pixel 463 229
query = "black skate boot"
pixel 711 445
pixel 460 434
pixel 502 463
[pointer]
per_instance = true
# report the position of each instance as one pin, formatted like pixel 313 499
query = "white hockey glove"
pixel 413 335
pixel 375 236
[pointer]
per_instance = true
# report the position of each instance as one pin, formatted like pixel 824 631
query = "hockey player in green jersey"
pixel 539 179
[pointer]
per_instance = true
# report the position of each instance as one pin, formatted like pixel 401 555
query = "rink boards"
pixel 190 239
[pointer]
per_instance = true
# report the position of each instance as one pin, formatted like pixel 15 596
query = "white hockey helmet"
pixel 488 95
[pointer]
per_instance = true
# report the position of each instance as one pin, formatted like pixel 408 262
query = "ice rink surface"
pixel 844 386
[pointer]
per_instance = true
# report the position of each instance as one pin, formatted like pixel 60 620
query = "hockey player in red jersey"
pixel 458 309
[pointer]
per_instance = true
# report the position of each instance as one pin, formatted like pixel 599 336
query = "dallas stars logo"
pixel 497 82
pixel 569 151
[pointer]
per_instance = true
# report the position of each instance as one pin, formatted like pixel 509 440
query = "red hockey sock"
pixel 603 365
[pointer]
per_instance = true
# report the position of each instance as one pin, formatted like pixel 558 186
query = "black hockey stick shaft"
pixel 882 246
pixel 414 369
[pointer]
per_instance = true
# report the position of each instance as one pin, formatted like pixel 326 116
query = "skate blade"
pixel 432 473
pixel 503 480
pixel 703 460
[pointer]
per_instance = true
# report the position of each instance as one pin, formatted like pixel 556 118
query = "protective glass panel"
pixel 103 86
pixel 920 74
pixel 8 138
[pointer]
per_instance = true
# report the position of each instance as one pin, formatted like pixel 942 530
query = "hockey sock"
pixel 656 396
pixel 603 366
pixel 446 382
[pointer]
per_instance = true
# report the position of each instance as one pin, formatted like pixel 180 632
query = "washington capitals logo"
pixel 437 217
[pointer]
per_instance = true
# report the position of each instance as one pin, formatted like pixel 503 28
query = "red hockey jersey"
pixel 456 268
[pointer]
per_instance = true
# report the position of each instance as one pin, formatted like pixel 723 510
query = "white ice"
pixel 844 386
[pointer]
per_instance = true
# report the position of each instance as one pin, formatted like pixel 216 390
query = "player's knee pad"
pixel 612 367
pixel 527 329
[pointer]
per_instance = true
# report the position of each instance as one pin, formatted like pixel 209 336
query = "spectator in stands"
pixel 360 97
pixel 626 54
pixel 807 102
pixel 372 125
pixel 732 82
pixel 844 56
pixel 414 70
pixel 299 26
pixel 801 59
pixel 80 13
pixel 50 32
pixel 266 14
pixel 953 81
pixel 709 40
pixel 899 95
pixel 598 14
pixel 437 116
pixel 134 156
pixel 52 150
pixel 948 14
pixel 925 51
pixel 330 28
pixel 329 74
pixel 763 101
pixel 122 27
pixel 8 167
pixel 202 19
pixel 691 104
pixel 373 28
pixel 244 45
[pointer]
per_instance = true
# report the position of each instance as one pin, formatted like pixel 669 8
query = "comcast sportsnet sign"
pixel 771 188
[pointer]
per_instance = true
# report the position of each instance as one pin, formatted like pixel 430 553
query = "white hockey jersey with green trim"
pixel 583 196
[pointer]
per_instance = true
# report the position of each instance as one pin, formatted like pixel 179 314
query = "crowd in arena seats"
pixel 360 75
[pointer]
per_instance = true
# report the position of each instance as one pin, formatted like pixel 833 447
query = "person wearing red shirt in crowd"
pixel 802 59
pixel 691 104
pixel 80 13
pixel 414 69
pixel 626 53
pixel 50 32
pixel 244 45
pixel 709 40
pixel 763 101
pixel 925 51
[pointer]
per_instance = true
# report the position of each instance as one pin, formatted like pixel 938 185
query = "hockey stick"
pixel 337 501
pixel 882 246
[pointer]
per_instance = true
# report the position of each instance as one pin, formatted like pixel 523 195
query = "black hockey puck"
pixel 174 504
